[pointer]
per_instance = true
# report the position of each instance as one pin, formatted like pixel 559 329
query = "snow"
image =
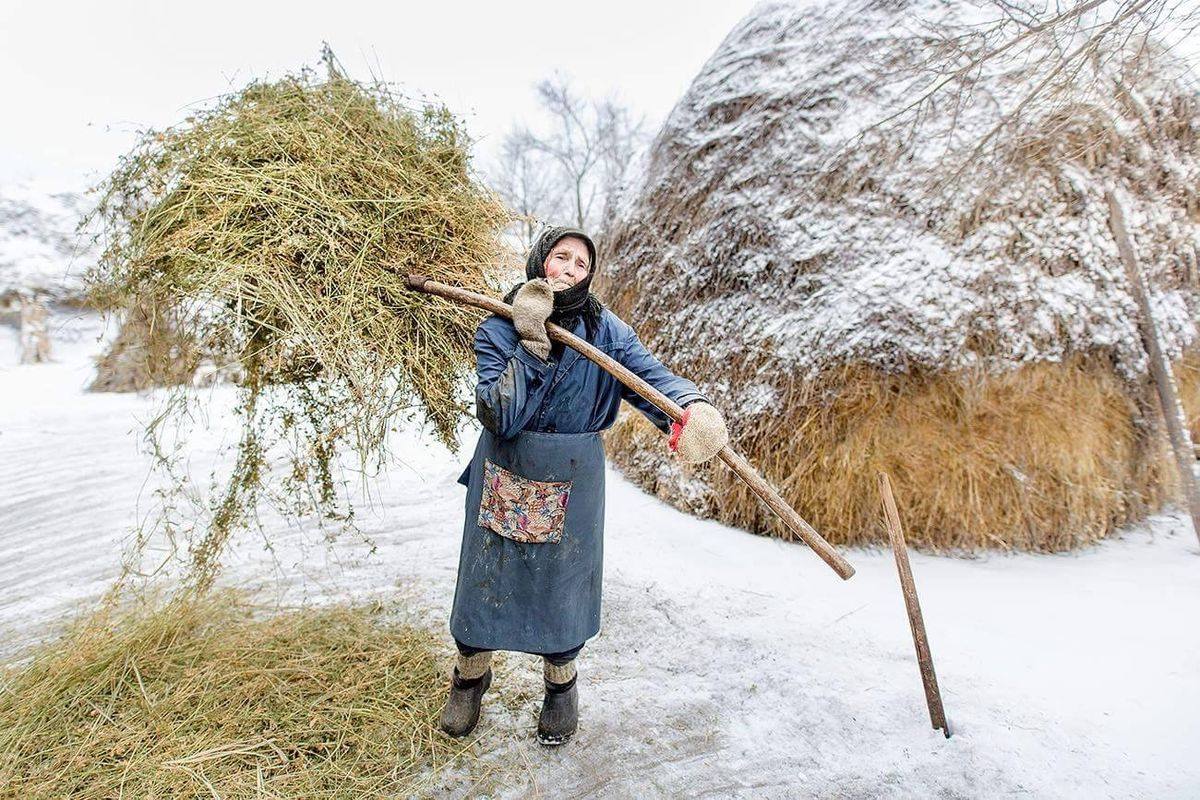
pixel 40 251
pixel 729 665
pixel 737 221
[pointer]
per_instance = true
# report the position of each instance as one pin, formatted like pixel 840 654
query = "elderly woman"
pixel 529 573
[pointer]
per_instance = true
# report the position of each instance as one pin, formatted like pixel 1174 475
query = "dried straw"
pixel 275 230
pixel 1046 457
pixel 206 698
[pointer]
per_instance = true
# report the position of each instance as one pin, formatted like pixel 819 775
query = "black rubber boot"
pixel 461 712
pixel 560 713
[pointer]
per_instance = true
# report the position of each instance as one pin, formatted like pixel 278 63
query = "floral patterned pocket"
pixel 522 509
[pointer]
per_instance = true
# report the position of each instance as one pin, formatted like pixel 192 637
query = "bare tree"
pixel 1055 52
pixel 526 183
pixel 571 168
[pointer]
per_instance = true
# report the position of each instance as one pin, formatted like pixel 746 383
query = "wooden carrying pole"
pixel 933 696
pixel 738 464
pixel 1160 367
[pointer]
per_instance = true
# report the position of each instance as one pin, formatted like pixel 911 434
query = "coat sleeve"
pixel 638 360
pixel 511 386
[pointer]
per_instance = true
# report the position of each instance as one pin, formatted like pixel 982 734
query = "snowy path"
pixel 729 665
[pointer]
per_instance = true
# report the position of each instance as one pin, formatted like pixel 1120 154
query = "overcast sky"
pixel 80 78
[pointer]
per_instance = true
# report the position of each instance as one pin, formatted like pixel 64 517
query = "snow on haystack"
pixel 40 252
pixel 938 295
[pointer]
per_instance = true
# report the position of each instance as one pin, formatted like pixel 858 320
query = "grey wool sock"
pixel 559 674
pixel 474 666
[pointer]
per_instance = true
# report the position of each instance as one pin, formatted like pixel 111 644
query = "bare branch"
pixel 573 169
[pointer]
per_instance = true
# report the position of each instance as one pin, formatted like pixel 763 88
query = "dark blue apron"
pixel 529 572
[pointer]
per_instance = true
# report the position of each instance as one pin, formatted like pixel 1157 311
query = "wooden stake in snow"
pixel 1160 367
pixel 933 696
pixel 35 332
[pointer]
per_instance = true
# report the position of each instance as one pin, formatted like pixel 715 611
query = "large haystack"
pixel 978 343
pixel 153 347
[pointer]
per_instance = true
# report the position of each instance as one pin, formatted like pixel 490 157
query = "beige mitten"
pixel 531 306
pixel 700 435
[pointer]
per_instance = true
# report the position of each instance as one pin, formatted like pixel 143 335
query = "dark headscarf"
pixel 572 303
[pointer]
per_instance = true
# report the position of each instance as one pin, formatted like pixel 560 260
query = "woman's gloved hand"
pixel 532 304
pixel 700 435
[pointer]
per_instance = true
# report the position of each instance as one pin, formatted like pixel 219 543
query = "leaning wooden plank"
pixel 1160 367
pixel 933 696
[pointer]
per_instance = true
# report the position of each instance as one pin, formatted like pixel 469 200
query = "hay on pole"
pixel 859 301
pixel 273 230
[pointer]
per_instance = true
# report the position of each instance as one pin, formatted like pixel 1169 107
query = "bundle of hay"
pixel 274 230
pixel 209 697
pixel 947 305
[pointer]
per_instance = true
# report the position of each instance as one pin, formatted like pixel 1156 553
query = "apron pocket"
pixel 522 509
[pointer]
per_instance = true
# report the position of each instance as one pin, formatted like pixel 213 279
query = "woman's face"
pixel 567 263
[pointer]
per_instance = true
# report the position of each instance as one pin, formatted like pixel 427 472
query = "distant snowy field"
pixel 40 251
pixel 729 665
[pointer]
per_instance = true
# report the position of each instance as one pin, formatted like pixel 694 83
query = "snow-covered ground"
pixel 729 665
